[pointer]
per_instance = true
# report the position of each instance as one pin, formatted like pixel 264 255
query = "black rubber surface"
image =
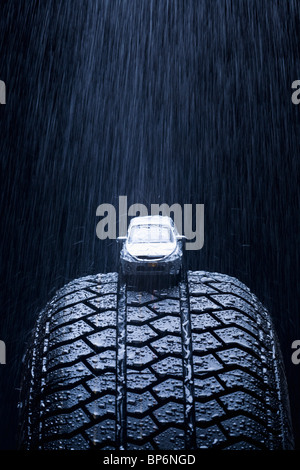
pixel 194 365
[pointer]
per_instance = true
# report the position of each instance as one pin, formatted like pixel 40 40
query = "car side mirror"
pixel 182 238
pixel 121 239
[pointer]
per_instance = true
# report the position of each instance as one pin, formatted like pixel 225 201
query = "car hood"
pixel 155 250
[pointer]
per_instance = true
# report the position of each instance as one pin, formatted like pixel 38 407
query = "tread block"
pixel 66 399
pixel 139 314
pixel 240 426
pixel 207 411
pixel 67 315
pixel 238 401
pixel 103 289
pixel 139 298
pixel 102 433
pixel 241 379
pixel 203 321
pixel 65 424
pixel 102 406
pixel 68 353
pixel 232 317
pixel 104 319
pixel 140 334
pixel 66 376
pixel 168 366
pixel 70 332
pixel 238 357
pixel 202 304
pixel 167 324
pixel 104 338
pixel 139 429
pixel 167 344
pixel 73 298
pixel 170 413
pixel 139 357
pixel 105 302
pixel 207 387
pixel 166 306
pixel 103 361
pixel 140 380
pixel 140 403
pixel 112 367
pixel 169 388
pixel 234 335
pixel 205 364
pixel 171 438
pixel 204 342
pixel 74 443
pixel 104 382
pixel 209 437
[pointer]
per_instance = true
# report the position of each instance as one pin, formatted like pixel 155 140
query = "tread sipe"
pixel 194 365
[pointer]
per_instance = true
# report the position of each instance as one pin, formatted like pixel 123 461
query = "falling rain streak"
pixel 185 101
pixel 2 92
pixel 2 352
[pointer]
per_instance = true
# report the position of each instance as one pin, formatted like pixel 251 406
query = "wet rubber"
pixel 191 366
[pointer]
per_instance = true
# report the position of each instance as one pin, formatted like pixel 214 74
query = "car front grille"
pixel 149 268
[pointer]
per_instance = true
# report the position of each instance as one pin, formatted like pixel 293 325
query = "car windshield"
pixel 150 234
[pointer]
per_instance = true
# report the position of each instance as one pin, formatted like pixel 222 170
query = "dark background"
pixel 163 101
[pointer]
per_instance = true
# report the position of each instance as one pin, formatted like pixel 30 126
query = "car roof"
pixel 152 219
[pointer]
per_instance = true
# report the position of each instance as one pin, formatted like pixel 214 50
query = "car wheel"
pixel 191 366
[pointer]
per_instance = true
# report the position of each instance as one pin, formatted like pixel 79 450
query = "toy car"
pixel 152 246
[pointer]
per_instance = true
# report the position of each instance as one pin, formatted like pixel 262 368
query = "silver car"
pixel 153 246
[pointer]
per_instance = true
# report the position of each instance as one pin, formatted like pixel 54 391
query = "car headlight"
pixel 174 255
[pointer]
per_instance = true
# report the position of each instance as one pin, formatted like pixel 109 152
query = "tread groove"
pixel 111 367
pixel 187 350
pixel 121 366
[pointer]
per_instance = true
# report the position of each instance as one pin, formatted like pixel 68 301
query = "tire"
pixel 191 366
